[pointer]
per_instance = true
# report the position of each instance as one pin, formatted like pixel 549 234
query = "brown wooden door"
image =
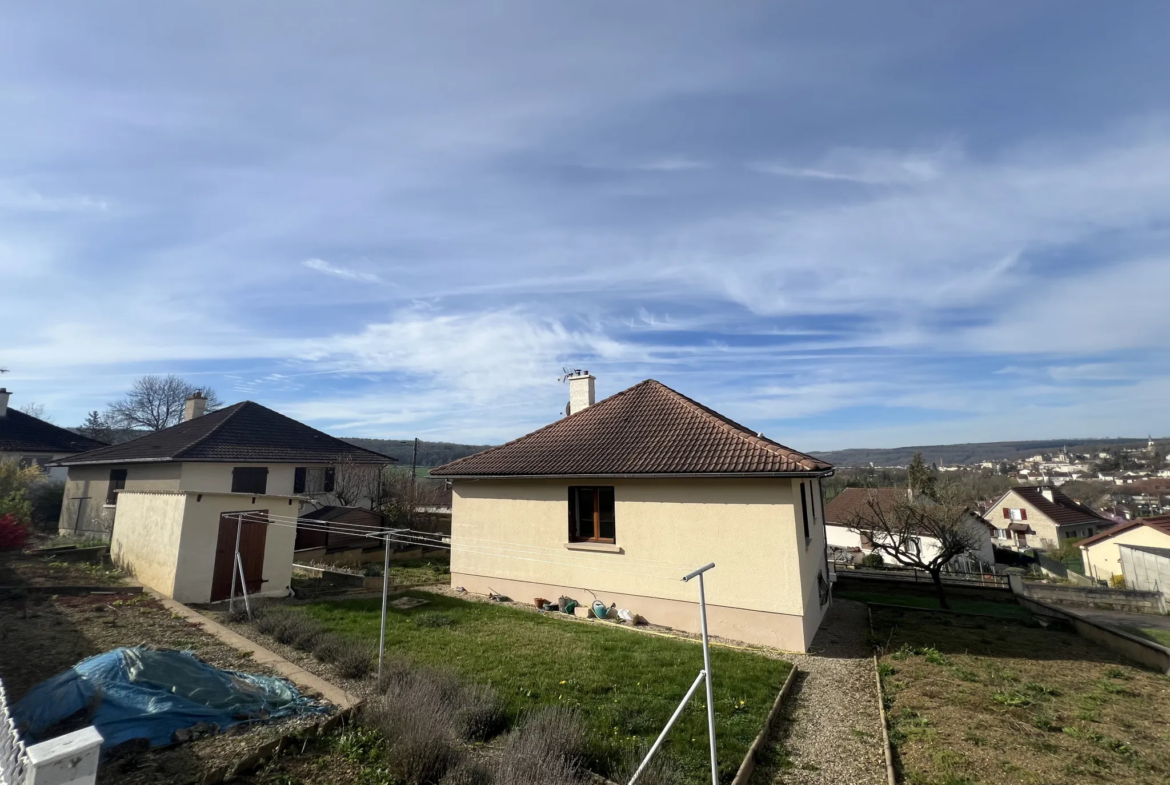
pixel 253 535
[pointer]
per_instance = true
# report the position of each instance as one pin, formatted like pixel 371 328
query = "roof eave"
pixel 640 476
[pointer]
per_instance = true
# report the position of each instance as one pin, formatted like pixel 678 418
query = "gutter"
pixel 640 476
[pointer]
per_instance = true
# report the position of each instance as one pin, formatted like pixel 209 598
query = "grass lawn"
pixel 1155 634
pixel 1008 610
pixel 626 684
pixel 974 700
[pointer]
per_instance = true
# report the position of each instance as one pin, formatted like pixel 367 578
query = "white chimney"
pixel 4 402
pixel 196 405
pixel 1047 493
pixel 581 392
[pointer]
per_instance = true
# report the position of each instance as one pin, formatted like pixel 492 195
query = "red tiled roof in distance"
pixel 842 509
pixel 1159 522
pixel 647 430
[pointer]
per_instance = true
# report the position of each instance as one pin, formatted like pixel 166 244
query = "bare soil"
pixel 42 635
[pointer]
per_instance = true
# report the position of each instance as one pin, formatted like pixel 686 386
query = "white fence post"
pixel 71 759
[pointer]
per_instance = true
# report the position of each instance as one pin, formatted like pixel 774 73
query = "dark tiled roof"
pixel 842 508
pixel 1159 522
pixel 648 429
pixel 20 432
pixel 244 432
pixel 1061 510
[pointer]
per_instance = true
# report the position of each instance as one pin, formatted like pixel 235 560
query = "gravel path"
pixel 830 729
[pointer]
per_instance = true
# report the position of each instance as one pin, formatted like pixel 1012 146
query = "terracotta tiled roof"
pixel 243 432
pixel 648 429
pixel 1160 523
pixel 23 433
pixel 842 508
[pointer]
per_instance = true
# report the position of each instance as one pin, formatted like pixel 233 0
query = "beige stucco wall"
pixel 94 481
pixel 187 537
pixel 516 531
pixel 1102 559
pixel 145 541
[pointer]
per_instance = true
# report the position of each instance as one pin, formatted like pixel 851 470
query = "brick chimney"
pixel 581 392
pixel 195 407
pixel 4 402
pixel 1046 492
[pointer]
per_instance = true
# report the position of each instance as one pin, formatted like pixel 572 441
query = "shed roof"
pixel 647 430
pixel 245 432
pixel 1159 523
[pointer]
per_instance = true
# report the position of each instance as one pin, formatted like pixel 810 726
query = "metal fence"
pixel 922 576
pixel 13 758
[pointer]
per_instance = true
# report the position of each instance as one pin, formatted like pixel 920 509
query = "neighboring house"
pixel 244 448
pixel 1101 555
pixel 34 442
pixel 176 502
pixel 1041 516
pixel 1146 568
pixel 620 499
pixel 851 546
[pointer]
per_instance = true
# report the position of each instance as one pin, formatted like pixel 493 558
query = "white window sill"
pixel 596 547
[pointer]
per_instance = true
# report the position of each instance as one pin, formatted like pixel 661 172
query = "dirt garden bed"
pixel 43 634
pixel 976 700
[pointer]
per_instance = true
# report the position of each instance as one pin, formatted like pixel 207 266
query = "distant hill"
pixel 951 454
pixel 429 453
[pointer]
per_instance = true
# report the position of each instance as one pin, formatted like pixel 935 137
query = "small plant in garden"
pixel 482 715
pixel 934 656
pixel 354 661
pixel 330 647
pixel 873 561
pixel 549 748
pixel 13 533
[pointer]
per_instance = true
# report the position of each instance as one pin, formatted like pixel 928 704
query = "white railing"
pixel 71 759
pixel 921 576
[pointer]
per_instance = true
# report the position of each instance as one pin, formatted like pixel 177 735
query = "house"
pixel 244 448
pixel 176 502
pixel 34 442
pixel 321 535
pixel 621 498
pixel 851 546
pixel 1041 516
pixel 1101 553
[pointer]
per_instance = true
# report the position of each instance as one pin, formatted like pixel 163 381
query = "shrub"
pixel 548 749
pixel 240 612
pixel 467 773
pixel 330 647
pixel 874 561
pixel 13 533
pixel 45 499
pixel 414 718
pixel 354 661
pixel 661 770
pixel 482 715
pixel 285 625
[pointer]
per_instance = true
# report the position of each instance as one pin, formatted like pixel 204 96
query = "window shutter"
pixel 1023 514
pixel 330 475
pixel 1007 514
pixel 299 479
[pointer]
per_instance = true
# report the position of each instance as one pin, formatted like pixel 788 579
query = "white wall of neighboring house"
pixel 841 537
pixel 1102 559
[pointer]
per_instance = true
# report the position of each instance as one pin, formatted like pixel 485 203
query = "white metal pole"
pixel 669 725
pixel 385 599
pixel 710 691
pixel 244 586
pixel 235 563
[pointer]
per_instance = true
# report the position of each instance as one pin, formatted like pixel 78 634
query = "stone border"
pixel 750 759
pixel 9 591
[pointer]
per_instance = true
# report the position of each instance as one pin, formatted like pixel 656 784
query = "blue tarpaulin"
pixel 145 693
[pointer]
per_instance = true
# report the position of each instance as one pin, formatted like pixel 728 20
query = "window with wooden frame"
pixel 804 510
pixel 117 483
pixel 250 479
pixel 591 514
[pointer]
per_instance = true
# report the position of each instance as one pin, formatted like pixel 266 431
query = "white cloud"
pixel 322 266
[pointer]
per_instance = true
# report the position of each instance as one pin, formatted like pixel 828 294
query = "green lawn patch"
pixel 1155 634
pixel 626 685
pixel 1007 610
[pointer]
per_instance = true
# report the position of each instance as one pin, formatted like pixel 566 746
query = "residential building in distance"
pixel 1042 516
pixel 850 546
pixel 621 498
pixel 1102 553
pixel 34 442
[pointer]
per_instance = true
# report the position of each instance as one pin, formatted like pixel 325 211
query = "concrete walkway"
pixel 830 729
pixel 1119 619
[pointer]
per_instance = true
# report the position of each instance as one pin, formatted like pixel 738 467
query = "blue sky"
pixel 844 224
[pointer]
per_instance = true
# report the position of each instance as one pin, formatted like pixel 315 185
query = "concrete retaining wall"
pixel 1128 600
pixel 1145 653
pixel 848 582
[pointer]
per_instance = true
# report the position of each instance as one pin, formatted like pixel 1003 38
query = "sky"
pixel 844 224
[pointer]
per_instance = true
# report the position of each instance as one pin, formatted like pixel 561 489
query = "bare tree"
pixel 96 427
pixel 34 409
pixel 354 483
pixel 156 402
pixel 897 530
